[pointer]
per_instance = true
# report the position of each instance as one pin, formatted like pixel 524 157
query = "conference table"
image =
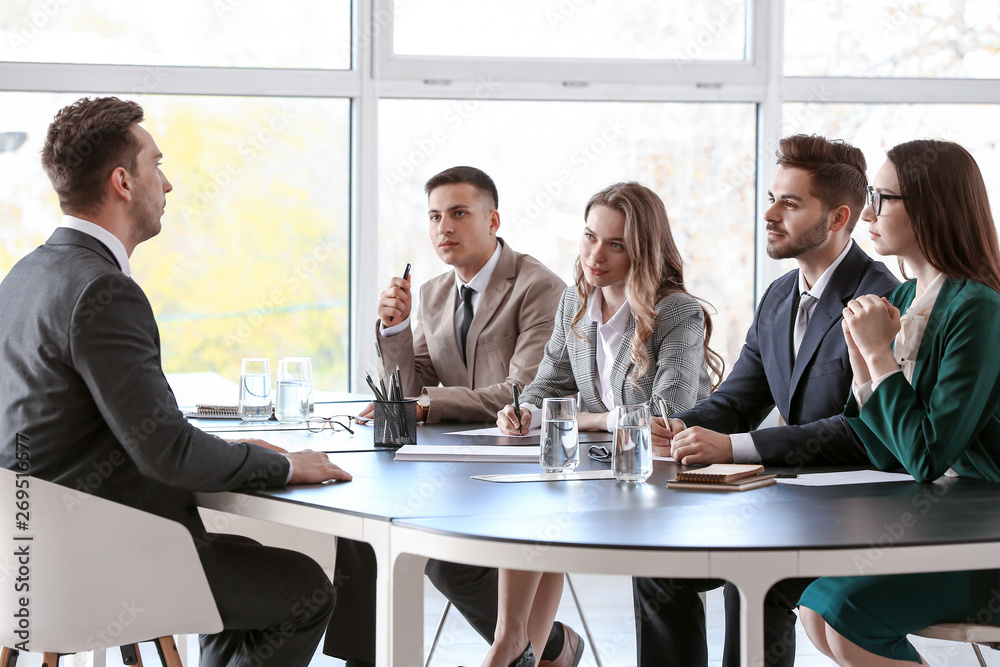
pixel 409 511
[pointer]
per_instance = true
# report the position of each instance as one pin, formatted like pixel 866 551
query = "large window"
pixel 707 30
pixel 299 135
pixel 698 157
pixel 254 253
pixel 893 38
pixel 222 33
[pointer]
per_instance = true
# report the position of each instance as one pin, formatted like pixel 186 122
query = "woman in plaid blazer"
pixel 625 333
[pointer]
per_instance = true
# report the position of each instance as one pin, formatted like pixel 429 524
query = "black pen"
pixel 406 276
pixel 517 404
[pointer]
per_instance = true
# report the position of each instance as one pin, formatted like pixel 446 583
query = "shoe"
pixel 526 659
pixel 572 650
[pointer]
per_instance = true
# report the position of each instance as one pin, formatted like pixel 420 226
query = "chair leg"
pixel 437 633
pixel 583 619
pixel 8 657
pixel 169 657
pixel 131 655
pixel 979 654
pixel 50 660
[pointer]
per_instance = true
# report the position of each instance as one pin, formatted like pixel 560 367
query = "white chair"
pixel 970 633
pixel 576 601
pixel 99 574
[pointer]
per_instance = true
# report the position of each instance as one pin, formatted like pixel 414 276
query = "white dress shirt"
pixel 477 284
pixel 609 342
pixel 116 247
pixel 743 448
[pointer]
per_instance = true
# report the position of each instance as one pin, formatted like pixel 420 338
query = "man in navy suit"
pixel 795 359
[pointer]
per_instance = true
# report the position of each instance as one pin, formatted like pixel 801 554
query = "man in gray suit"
pixel 481 329
pixel 82 385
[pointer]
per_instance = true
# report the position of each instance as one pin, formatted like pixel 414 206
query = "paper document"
pixel 549 476
pixel 495 432
pixel 478 453
pixel 657 457
pixel 849 477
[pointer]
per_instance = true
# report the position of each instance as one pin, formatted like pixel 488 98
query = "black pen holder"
pixel 395 423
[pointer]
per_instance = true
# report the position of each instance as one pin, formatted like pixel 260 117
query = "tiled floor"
pixel 607 603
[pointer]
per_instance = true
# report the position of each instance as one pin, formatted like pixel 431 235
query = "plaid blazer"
pixel 677 373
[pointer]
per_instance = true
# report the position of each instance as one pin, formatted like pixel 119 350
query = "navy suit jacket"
pixel 810 391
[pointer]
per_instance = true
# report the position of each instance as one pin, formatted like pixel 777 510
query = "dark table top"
pixel 951 511
pixel 442 497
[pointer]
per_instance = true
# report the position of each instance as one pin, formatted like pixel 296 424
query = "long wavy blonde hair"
pixel 656 269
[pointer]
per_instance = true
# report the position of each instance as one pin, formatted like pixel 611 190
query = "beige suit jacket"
pixel 513 321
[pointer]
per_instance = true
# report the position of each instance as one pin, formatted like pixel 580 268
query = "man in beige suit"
pixel 480 329
pixel 512 298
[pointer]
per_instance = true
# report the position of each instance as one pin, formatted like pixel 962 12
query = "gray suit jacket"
pixel 80 376
pixel 677 372
pixel 512 322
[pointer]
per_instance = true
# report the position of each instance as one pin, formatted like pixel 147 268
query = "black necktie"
pixel 467 313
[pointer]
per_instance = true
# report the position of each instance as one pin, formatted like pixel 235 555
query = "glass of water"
pixel 294 390
pixel 560 451
pixel 255 390
pixel 632 454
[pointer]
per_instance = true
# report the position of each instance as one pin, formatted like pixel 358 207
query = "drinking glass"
pixel 255 390
pixel 632 454
pixel 560 438
pixel 294 390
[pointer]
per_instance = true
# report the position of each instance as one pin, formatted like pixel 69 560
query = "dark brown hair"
pixel 836 170
pixel 945 198
pixel 474 177
pixel 86 142
pixel 656 268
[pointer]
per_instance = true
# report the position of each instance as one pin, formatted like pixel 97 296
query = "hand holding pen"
pixel 394 301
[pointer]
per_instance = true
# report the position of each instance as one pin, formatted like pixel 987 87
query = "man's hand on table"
pixel 310 467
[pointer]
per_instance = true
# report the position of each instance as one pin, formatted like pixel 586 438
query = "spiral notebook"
pixel 207 411
pixel 722 477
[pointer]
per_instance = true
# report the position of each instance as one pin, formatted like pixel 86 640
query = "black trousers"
pixel 274 603
pixel 670 622
pixel 351 635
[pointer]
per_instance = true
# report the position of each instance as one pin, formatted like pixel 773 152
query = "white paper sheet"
pixel 495 432
pixel 849 477
pixel 477 453
pixel 549 476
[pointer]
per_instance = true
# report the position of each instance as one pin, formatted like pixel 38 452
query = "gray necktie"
pixel 802 319
pixel 467 314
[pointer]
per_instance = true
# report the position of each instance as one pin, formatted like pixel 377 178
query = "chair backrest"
pixel 80 572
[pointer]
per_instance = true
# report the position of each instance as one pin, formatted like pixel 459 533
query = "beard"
pixel 146 213
pixel 810 239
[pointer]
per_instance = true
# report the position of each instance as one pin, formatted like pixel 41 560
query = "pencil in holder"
pixel 395 423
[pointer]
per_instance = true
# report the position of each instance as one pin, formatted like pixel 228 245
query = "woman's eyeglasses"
pixel 335 423
pixel 876 198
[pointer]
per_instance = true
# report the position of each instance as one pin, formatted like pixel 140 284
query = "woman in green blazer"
pixel 926 389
